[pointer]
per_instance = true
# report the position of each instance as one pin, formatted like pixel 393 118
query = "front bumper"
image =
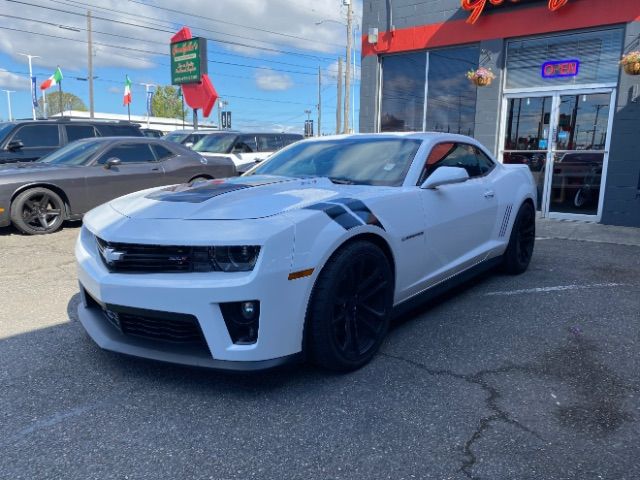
pixel 282 306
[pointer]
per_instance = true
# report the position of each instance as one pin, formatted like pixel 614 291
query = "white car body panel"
pixel 432 235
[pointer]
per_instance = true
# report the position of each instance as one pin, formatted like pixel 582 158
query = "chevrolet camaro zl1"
pixel 307 255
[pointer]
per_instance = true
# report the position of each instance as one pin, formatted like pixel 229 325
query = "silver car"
pixel 38 196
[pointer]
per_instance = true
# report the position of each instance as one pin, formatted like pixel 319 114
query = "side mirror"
pixel 112 162
pixel 445 176
pixel 15 145
pixel 188 144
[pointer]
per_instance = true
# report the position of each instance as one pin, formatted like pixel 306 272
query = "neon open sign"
pixel 476 7
pixel 560 68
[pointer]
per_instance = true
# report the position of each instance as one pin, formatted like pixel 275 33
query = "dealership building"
pixel 559 101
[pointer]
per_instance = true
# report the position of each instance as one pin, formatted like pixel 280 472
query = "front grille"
pixel 128 257
pixel 176 328
pixel 184 330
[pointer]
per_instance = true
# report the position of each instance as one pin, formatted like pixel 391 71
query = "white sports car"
pixel 309 254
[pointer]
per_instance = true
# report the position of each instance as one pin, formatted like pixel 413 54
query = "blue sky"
pixel 264 57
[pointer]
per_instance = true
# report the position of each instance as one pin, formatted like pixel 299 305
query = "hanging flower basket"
pixel 631 62
pixel 482 77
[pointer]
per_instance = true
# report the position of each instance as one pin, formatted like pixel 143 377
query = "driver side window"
pixel 129 153
pixel 451 155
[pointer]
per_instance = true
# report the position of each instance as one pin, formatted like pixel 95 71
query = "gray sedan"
pixel 37 197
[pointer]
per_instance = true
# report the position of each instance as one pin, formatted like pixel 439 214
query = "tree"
pixel 69 102
pixel 167 102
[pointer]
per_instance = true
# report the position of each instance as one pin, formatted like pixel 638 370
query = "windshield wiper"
pixel 341 181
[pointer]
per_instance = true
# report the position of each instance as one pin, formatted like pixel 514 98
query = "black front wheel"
pixel 37 211
pixel 350 307
pixel 523 235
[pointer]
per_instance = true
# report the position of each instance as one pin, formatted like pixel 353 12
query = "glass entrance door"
pixel 563 139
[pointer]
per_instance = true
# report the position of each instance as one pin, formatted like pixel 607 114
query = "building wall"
pixel 622 193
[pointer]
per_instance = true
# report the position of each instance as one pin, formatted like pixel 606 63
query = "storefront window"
pixel 402 106
pixel 451 97
pixel 576 58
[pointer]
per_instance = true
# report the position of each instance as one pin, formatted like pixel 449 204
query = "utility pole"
pixel 347 87
pixel 339 106
pixel 31 83
pixel 146 89
pixel 319 100
pixel 90 64
pixel 9 92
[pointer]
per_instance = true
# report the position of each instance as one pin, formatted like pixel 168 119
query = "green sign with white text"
pixel 188 61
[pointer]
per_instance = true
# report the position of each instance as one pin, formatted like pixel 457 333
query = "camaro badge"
pixel 111 255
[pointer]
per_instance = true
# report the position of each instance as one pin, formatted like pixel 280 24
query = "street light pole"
pixel 347 89
pixel 90 64
pixel 9 92
pixel 33 107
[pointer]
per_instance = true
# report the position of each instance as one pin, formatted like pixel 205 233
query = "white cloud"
pixel 12 81
pixel 115 90
pixel 276 24
pixel 273 81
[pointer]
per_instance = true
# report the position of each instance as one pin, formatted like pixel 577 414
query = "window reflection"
pixel 402 106
pixel 528 123
pixel 583 122
pixel 451 97
pixel 575 186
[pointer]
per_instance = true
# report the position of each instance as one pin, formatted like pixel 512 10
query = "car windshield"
pixel 5 128
pixel 362 161
pixel 216 143
pixel 176 137
pixel 76 153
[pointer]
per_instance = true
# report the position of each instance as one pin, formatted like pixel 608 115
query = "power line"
pixel 166 30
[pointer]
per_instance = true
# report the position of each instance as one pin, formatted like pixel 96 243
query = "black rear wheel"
pixel 523 235
pixel 37 211
pixel 350 307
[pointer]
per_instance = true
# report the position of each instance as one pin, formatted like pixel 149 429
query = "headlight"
pixel 225 259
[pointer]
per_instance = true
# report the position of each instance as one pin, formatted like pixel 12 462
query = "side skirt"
pixel 441 288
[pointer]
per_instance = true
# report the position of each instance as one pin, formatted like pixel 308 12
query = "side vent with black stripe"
pixel 505 220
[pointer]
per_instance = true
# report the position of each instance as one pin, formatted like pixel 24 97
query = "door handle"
pixel 155 169
pixel 489 194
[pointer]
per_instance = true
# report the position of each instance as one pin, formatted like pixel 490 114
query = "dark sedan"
pixel 37 197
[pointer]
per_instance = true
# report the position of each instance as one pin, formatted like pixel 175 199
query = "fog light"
pixel 248 310
pixel 242 320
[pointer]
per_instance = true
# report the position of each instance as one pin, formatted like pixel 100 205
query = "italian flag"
pixel 127 91
pixel 53 80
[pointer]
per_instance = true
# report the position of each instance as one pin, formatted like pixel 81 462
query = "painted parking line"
pixel 557 288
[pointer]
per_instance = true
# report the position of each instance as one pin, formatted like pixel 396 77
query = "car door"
pixel 138 169
pixel 176 168
pixel 38 140
pixel 459 218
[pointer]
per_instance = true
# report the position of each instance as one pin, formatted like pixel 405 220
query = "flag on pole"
pixel 53 80
pixel 127 91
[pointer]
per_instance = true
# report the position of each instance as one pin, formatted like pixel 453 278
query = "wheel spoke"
pixel 374 291
pixel 30 204
pixel 355 336
pixel 43 221
pixel 53 212
pixel 44 201
pixel 372 311
pixel 369 281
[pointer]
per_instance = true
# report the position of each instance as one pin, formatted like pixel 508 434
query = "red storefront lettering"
pixel 476 7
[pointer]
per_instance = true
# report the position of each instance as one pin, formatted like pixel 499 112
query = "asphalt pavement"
pixel 528 377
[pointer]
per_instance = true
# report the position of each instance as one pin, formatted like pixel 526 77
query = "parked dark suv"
pixel 29 140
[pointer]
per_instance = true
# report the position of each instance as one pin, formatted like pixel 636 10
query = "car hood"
pixel 231 199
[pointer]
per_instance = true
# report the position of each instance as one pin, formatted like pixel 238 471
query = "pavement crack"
pixel 491 402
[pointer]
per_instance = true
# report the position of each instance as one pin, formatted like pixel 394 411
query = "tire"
pixel 519 251
pixel 350 308
pixel 37 211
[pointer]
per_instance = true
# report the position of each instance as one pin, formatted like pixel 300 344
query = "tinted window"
pixel 484 163
pixel 451 98
pixel 129 153
pixel 289 139
pixel 162 152
pixel 365 161
pixel 79 153
pixel 215 143
pixel 38 135
pixel 119 131
pixel 451 155
pixel 402 106
pixel 269 143
pixel 247 144
pixel 5 128
pixel 177 137
pixel 77 132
